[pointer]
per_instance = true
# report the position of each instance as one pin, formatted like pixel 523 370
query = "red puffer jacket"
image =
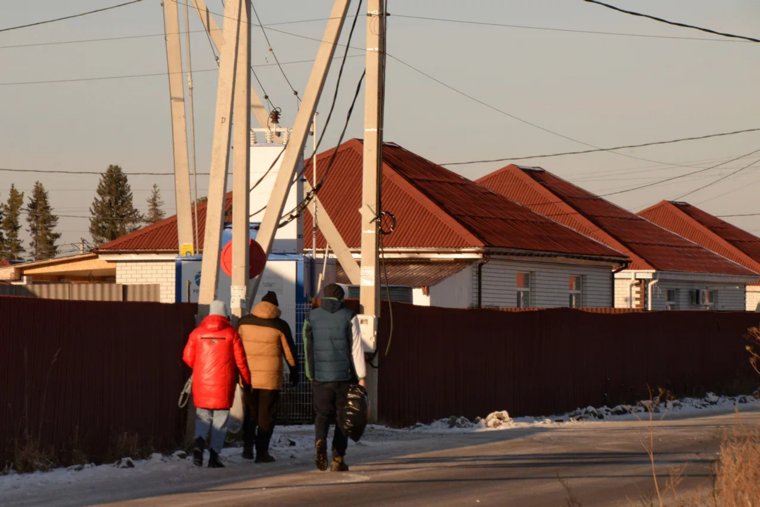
pixel 216 355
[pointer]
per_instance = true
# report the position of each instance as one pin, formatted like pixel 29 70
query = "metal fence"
pixel 296 402
pixel 85 291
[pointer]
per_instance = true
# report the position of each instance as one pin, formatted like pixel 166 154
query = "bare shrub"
pixel 753 336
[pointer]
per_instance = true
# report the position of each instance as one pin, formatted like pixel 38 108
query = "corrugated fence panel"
pixel 444 362
pixel 98 378
pixel 86 291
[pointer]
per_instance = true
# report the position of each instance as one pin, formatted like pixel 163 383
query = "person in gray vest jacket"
pixel 334 360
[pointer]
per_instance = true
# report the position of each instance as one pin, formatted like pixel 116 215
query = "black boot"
pixel 338 464
pixel 262 447
pixel 213 460
pixel 247 451
pixel 198 452
pixel 321 459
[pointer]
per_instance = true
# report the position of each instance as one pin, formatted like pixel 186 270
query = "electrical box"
pixel 368 326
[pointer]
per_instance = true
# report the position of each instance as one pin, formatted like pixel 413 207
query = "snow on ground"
pixel 296 442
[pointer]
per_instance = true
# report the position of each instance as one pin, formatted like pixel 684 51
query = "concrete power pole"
pixel 179 132
pixel 241 168
pixel 295 146
pixel 220 152
pixel 374 93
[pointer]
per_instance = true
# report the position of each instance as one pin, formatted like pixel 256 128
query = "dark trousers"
pixel 260 411
pixel 329 399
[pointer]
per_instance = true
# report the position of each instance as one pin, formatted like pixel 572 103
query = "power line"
pixel 97 173
pixel 679 176
pixel 553 29
pixel 717 180
pixel 674 23
pixel 274 55
pixel 739 215
pixel 69 17
pixel 581 152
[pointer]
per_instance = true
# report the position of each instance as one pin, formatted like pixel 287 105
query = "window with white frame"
pixel 575 291
pixel 523 283
pixel 671 299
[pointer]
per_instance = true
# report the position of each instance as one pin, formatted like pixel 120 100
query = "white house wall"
pixel 453 292
pixel 753 298
pixel 160 272
pixel 730 295
pixel 549 283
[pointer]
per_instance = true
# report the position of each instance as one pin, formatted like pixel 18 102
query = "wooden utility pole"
pixel 241 167
pixel 179 132
pixel 374 93
pixel 220 152
pixel 295 146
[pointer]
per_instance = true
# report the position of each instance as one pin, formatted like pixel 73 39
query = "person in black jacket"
pixel 334 359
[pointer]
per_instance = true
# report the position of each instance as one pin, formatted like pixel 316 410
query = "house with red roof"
pixel 455 243
pixel 667 271
pixel 712 233
pixel 451 243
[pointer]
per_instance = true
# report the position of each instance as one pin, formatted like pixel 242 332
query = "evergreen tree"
pixel 10 226
pixel 155 213
pixel 112 212
pixel 41 221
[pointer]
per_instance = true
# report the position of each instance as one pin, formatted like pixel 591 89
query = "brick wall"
pixel 161 272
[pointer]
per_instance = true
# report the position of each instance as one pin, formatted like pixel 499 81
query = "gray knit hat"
pixel 217 308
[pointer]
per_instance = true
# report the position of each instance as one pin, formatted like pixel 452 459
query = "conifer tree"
pixel 112 213
pixel 41 222
pixel 155 213
pixel 10 226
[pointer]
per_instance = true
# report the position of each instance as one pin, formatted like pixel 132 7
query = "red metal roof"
pixel 436 208
pixel 161 236
pixel 648 245
pixel 707 230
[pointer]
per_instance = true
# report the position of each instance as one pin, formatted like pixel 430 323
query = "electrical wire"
pixel 716 181
pixel 674 23
pixel 569 30
pixel 621 147
pixel 37 23
pixel 639 187
pixel 274 55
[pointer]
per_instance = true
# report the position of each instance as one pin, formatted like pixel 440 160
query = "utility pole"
pixel 179 133
pixel 295 146
pixel 374 94
pixel 241 167
pixel 220 153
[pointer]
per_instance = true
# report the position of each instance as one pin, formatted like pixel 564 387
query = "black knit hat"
pixel 333 290
pixel 271 297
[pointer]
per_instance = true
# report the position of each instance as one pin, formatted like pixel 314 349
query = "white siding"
pixel 627 293
pixel 161 272
pixel 729 295
pixel 753 298
pixel 453 292
pixel 549 283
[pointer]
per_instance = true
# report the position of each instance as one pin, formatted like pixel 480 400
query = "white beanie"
pixel 218 308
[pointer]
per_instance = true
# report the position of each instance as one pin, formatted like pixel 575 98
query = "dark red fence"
pixel 91 379
pixel 444 362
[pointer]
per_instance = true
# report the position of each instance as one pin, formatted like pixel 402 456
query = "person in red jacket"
pixel 216 355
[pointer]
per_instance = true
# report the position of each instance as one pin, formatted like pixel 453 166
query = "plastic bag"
pixel 184 395
pixel 235 420
pixel 353 417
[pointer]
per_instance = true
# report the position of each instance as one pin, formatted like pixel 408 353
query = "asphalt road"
pixel 588 464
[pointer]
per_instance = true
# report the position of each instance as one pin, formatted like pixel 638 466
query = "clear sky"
pixel 490 79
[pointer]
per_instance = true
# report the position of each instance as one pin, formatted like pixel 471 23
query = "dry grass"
pixel 737 476
pixel 29 456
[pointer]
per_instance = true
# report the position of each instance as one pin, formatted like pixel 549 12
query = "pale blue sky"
pixel 599 89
